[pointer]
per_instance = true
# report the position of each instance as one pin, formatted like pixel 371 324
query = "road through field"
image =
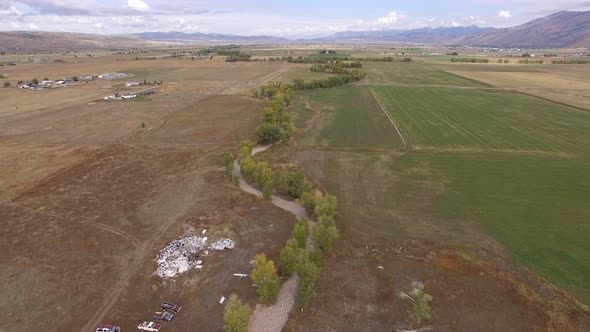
pixel 390 117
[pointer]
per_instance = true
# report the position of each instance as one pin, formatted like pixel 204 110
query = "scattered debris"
pixel 223 244
pixel 222 300
pixel 203 232
pixel 184 254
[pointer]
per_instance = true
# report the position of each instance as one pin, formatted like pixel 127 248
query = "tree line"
pixel 470 60
pixel 570 62
pixel 531 62
pixel 329 59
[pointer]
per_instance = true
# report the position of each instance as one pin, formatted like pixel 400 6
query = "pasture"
pixel 487 167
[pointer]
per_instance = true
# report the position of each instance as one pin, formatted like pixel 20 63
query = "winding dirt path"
pixel 274 317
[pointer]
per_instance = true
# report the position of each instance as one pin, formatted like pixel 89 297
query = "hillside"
pixel 559 30
pixel 440 35
pixel 27 40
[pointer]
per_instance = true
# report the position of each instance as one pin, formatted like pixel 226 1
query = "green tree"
pixel 308 273
pixel 324 233
pixel 35 81
pixel 7 84
pixel 300 232
pixel 264 275
pixel 75 78
pixel 236 315
pixel 267 189
pixel 289 256
pixel 270 133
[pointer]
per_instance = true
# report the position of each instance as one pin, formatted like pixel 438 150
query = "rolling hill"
pixel 559 30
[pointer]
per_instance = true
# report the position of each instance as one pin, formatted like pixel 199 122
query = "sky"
pixel 291 19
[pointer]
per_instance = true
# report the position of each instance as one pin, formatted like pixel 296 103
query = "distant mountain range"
pixel 560 30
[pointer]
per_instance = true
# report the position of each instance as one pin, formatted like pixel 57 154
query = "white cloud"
pixel 10 11
pixel 390 19
pixel 505 14
pixel 138 5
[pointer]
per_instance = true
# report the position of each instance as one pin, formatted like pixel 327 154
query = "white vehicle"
pixel 149 326
pixel 108 328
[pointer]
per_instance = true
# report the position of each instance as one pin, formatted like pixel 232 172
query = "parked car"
pixel 169 306
pixel 108 328
pixel 163 315
pixel 149 326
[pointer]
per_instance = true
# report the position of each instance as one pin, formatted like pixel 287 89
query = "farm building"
pixel 133 83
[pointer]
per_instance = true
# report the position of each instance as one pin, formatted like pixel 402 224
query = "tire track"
pixel 391 119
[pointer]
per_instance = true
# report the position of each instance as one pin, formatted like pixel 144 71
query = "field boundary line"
pixel 391 119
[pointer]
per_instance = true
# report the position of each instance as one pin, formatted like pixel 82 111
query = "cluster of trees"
pixel 470 60
pixel 277 124
pixel 532 62
pixel 258 172
pixel 331 82
pixel 296 259
pixel 316 59
pixel 323 208
pixel 384 59
pixel 503 61
pixel 326 52
pixel 570 62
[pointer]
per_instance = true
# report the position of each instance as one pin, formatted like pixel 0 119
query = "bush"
pixel 300 232
pixel 236 315
pixel 294 183
pixel 35 81
pixel 420 302
pixel 7 84
pixel 228 162
pixel 264 275
pixel 267 190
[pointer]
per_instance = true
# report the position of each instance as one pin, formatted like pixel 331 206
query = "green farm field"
pixel 439 118
pixel 353 119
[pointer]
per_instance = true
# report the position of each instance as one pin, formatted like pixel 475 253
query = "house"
pixel 133 83
pixel 47 83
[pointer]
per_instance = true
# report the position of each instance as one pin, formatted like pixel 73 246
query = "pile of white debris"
pixel 184 254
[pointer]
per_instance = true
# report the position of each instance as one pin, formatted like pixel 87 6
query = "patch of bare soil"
pixel 360 285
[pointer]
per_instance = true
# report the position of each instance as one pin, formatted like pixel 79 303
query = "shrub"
pixel 35 81
pixel 420 302
pixel 324 233
pixel 236 315
pixel 300 232
pixel 228 162
pixel 267 190
pixel 264 275
pixel 7 84
pixel 294 183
